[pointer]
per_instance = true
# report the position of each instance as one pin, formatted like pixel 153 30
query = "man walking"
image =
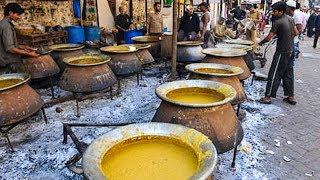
pixel 316 29
pixel 281 67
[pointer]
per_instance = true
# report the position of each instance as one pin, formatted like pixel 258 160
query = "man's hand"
pixel 33 54
pixel 314 29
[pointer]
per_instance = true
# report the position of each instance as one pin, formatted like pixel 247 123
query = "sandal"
pixel 287 100
pixel 263 101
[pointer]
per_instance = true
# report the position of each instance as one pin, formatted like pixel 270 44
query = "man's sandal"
pixel 287 100
pixel 263 101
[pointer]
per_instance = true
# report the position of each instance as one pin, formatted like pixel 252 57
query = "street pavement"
pixel 299 124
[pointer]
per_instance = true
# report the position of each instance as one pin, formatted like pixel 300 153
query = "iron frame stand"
pixel 4 130
pixel 80 146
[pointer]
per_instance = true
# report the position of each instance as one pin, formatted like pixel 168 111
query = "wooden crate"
pixel 44 39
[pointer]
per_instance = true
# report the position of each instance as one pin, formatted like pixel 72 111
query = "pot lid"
pixel 189 43
pixel 228 91
pixel 234 70
pixel 119 49
pixel 239 41
pixel 94 154
pixel 146 39
pixel 138 46
pixel 234 46
pixel 223 52
pixel 66 47
pixel 87 60
pixel 23 78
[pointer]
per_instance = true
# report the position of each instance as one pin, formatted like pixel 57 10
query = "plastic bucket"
pixel 92 33
pixel 75 34
pixel 130 34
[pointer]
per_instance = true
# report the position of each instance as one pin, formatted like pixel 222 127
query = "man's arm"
pixel 205 24
pixel 9 44
pixel 266 39
pixel 299 28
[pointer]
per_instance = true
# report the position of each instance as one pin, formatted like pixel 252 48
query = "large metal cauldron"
pixel 206 151
pixel 189 51
pixel 248 58
pixel 123 59
pixel 40 67
pixel 216 120
pixel 61 51
pixel 231 57
pixel 166 43
pixel 142 52
pixel 83 77
pixel 18 101
pixel 154 41
pixel 230 78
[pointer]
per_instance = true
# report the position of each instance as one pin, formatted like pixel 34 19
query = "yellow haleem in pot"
pixel 4 83
pixel 213 70
pixel 87 61
pixel 150 157
pixel 195 95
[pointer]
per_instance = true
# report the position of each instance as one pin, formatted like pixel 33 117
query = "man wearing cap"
pixel 155 21
pixel 205 23
pixel 10 50
pixel 291 7
pixel 189 25
pixel 282 63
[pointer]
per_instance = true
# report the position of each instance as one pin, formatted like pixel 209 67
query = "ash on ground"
pixel 40 153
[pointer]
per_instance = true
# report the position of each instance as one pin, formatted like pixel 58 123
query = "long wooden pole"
pixel 174 40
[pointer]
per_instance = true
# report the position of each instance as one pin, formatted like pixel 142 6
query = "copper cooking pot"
pixel 154 41
pixel 166 43
pixel 216 120
pixel 91 77
pixel 40 67
pixel 189 51
pixel 61 51
pixel 94 154
pixel 123 59
pixel 18 101
pixel 231 57
pixel 142 52
pixel 230 78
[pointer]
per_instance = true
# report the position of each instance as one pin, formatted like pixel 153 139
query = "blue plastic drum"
pixel 75 34
pixel 92 33
pixel 130 34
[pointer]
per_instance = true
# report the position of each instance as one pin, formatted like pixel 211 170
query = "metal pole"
pixel 174 40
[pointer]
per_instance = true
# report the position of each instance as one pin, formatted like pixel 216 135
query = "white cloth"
pixel 208 28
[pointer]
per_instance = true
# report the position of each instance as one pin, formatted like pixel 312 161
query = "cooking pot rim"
pixel 236 41
pixel 138 46
pixel 105 59
pixel 130 50
pixel 189 43
pixel 26 77
pixel 140 39
pixel 230 93
pixel 235 46
pixel 94 153
pixel 237 52
pixel 236 70
pixel 75 47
